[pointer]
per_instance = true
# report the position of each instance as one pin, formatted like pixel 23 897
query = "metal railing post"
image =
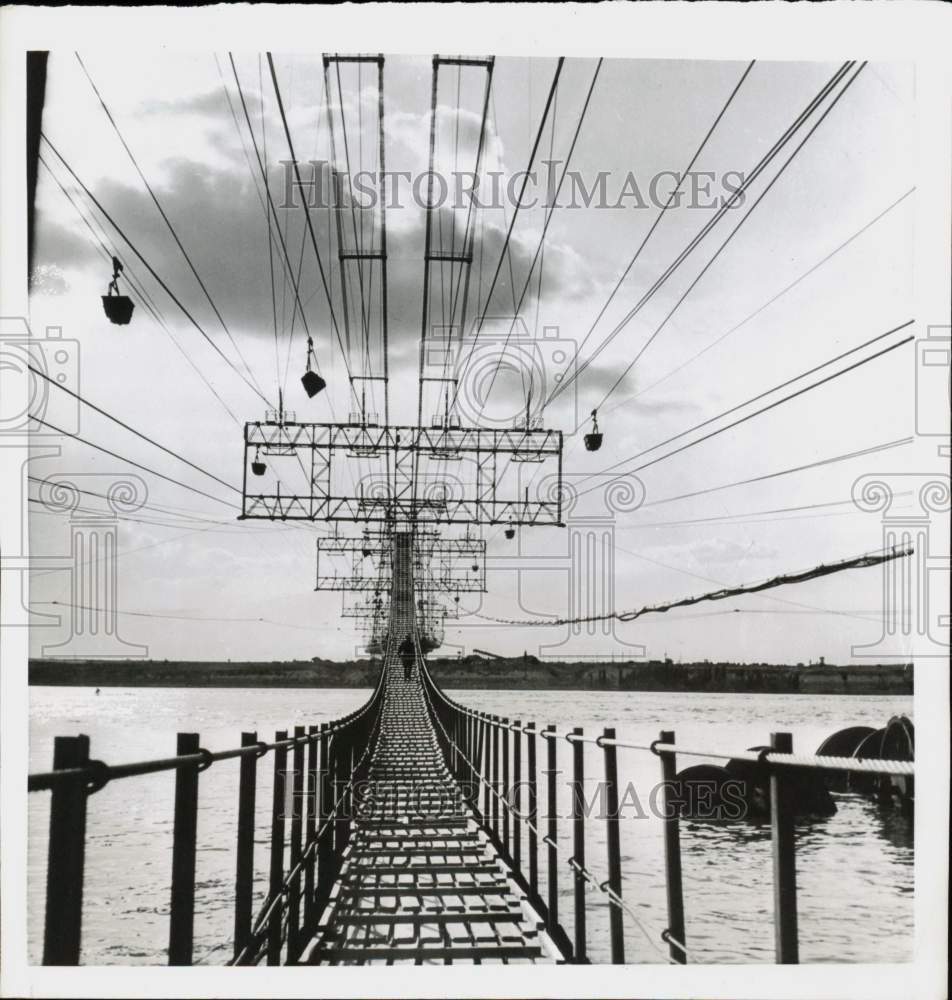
pixel 277 848
pixel 783 838
pixel 244 854
pixel 613 831
pixel 578 841
pixel 504 807
pixel 454 728
pixel 552 831
pixel 297 827
pixel 486 746
pixel 533 812
pixel 515 797
pixel 325 838
pixel 66 858
pixel 182 912
pixel 495 778
pixel 351 772
pixel 335 750
pixel 310 826
pixel 672 851
pixel 471 751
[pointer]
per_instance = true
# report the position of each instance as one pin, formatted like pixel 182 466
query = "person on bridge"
pixel 408 655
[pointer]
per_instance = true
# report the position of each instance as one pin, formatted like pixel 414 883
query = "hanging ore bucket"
pixel 312 382
pixel 593 440
pixel 257 466
pixel 118 308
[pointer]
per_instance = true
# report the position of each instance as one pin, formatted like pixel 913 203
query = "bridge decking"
pixel 420 881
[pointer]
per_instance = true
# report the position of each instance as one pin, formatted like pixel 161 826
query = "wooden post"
pixel 615 915
pixel 66 858
pixel 182 913
pixel 578 841
pixel 784 858
pixel 277 848
pixel 244 854
pixel 672 851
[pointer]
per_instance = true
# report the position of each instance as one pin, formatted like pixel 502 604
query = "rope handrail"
pixel 100 773
pixel 572 862
pixel 822 762
pixel 259 925
pixel 666 935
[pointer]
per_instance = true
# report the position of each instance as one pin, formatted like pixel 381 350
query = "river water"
pixel 854 869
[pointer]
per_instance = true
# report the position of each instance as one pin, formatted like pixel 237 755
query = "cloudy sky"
pixel 733 336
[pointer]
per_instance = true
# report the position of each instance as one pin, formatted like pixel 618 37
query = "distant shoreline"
pixel 518 673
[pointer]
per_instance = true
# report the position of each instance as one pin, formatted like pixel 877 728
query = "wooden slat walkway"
pixel 420 881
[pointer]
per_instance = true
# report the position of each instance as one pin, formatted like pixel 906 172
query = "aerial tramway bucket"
pixel 593 440
pixel 312 382
pixel 118 308
pixel 257 466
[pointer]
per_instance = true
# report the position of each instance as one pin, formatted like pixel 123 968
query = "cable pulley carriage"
pixel 524 453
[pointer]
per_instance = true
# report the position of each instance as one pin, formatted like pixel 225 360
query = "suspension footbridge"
pixel 416 829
